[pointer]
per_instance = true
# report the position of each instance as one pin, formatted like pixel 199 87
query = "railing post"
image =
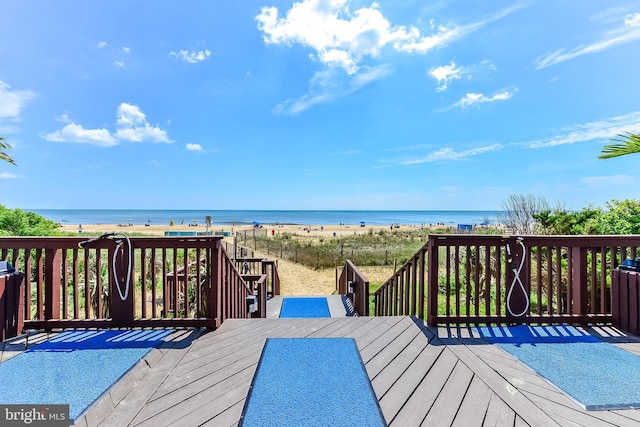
pixel 432 282
pixel 579 280
pixel 262 298
pixel 517 301
pixel 365 299
pixel 52 266
pixel 215 281
pixel 421 266
pixel 122 310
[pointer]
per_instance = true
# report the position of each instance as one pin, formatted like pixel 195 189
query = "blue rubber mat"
pixel 74 367
pixel 311 382
pixel 594 373
pixel 304 307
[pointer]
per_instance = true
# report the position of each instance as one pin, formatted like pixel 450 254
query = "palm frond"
pixel 3 155
pixel 626 143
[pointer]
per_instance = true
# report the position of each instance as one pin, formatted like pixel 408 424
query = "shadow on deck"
pixel 421 376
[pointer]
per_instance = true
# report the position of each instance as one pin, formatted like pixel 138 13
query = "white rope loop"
pixel 516 278
pixel 123 295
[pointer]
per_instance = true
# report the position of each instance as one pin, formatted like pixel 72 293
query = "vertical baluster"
pixel 550 297
pixel 198 285
pixel 604 308
pixel 467 278
pixel 538 285
pixel 592 304
pixel 76 283
pixel 456 282
pixel 499 260
pixel 143 282
pixel 98 288
pixel 64 283
pixel 40 284
pixel 561 303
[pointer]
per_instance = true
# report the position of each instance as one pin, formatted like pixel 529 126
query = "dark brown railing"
pixel 465 279
pixel 355 286
pixel 258 266
pixel 173 281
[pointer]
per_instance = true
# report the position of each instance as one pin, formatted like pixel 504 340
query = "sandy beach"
pixel 326 230
pixel 296 279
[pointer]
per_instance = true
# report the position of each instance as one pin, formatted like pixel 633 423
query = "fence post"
pixel 579 279
pixel 215 283
pixel 364 299
pixel 518 300
pixel 122 311
pixel 421 266
pixel 432 282
pixel 52 267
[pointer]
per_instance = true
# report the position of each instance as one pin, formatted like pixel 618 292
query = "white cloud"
pixel 194 147
pixel 119 64
pixel 445 74
pixel 191 57
pixel 451 154
pixel 342 38
pixel 471 99
pixel 8 175
pixel 628 30
pixel 328 85
pixel 102 44
pixel 608 181
pixel 632 20
pixel 129 115
pixel 446 35
pixel 603 129
pixel 132 126
pixel 126 49
pixel 76 133
pixel 13 101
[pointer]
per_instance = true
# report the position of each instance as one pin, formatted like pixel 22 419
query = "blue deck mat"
pixel 596 374
pixel 311 382
pixel 304 307
pixel 74 367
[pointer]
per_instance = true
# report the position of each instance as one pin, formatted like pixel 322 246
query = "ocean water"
pixel 242 217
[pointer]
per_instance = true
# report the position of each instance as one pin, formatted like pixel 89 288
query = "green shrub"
pixel 16 222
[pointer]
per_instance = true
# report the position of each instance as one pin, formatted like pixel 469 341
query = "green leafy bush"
pixel 16 222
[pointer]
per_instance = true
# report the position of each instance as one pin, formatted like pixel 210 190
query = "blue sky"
pixel 333 104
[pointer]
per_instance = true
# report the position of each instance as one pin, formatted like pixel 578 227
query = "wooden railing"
pixel 466 279
pixel 355 286
pixel 253 266
pixel 173 281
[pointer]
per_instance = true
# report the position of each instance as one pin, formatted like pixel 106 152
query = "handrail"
pixel 464 279
pixel 404 292
pixel 71 286
pixel 254 265
pixel 355 286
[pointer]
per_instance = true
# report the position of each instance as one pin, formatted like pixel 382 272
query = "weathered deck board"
pixel 421 376
pixel 499 413
pixel 446 405
pixel 400 395
pixel 474 405
pixel 418 404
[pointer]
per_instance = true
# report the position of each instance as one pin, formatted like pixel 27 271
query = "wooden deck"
pixel 421 376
